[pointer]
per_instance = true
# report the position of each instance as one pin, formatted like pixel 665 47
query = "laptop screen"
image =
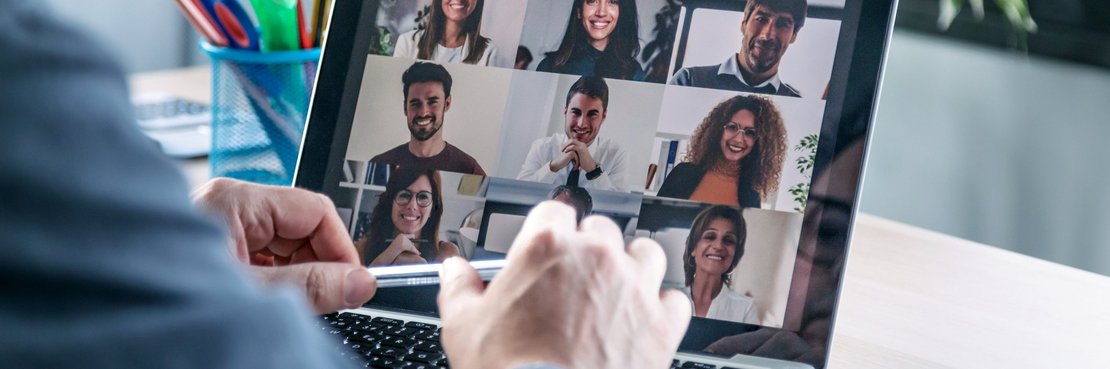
pixel 704 125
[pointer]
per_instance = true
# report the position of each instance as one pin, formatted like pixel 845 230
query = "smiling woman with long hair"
pixel 735 156
pixel 601 39
pixel 404 225
pixel 453 35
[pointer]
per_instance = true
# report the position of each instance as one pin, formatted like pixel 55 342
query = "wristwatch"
pixel 593 174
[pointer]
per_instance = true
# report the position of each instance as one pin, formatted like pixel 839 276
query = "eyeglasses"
pixel 732 128
pixel 423 198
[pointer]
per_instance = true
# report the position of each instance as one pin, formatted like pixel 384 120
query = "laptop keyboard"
pixel 386 343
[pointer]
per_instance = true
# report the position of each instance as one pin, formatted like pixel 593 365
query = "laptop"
pixel 733 135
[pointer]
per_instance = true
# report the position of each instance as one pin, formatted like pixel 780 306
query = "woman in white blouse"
pixel 452 35
pixel 713 248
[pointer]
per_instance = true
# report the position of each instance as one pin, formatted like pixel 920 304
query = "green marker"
pixel 277 21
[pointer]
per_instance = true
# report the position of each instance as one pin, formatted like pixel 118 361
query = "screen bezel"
pixel 852 101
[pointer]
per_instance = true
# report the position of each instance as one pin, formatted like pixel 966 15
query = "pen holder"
pixel 259 105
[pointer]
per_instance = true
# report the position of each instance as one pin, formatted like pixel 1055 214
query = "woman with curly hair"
pixel 713 249
pixel 404 225
pixel 601 40
pixel 453 35
pixel 735 156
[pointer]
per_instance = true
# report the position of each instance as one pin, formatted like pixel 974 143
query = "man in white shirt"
pixel 578 157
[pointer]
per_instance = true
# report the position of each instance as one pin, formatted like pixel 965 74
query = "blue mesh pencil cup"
pixel 259 105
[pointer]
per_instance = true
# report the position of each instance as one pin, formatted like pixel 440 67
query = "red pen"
pixel 202 21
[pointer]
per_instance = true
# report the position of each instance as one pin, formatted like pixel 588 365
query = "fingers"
pixel 329 287
pixel 278 219
pixel 545 225
pixel 676 311
pixel 651 261
pixel 299 214
pixel 597 228
pixel 459 285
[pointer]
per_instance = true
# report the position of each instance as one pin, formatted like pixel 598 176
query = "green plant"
pixel 1016 11
pixel 800 192
pixel 380 45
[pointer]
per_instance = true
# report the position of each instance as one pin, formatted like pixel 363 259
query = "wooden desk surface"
pixel 912 298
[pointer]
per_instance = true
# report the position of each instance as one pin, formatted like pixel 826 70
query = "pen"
pixel 418 241
pixel 302 29
pixel 427 274
pixel 202 21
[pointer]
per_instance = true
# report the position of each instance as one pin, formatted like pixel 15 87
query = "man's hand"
pixel 582 153
pixel 570 297
pixel 561 162
pixel 284 226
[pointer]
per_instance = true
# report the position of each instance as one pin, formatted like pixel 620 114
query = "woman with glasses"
pixel 601 40
pixel 404 226
pixel 735 155
pixel 452 35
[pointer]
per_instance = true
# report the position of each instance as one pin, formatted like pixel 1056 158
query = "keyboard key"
pixel 353 316
pixel 693 365
pixel 390 352
pixel 427 336
pixel 388 321
pixel 421 366
pixel 400 342
pixel 360 347
pixel 427 346
pixel 423 357
pixel 419 325
pixel 402 332
pixel 384 362
pixel 367 338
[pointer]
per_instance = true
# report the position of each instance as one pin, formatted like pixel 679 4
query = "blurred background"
pixel 974 138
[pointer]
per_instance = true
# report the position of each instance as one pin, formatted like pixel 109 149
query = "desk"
pixel 912 298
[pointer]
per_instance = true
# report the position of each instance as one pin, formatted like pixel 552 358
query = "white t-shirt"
pixel 407 48
pixel 730 306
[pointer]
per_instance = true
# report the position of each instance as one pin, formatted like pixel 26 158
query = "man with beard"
pixel 769 27
pixel 576 156
pixel 427 89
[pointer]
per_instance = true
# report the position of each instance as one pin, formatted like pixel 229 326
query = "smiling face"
pixel 767 34
pixel 584 116
pixel 738 136
pixel 458 10
pixel 424 109
pixel 716 248
pixel 410 218
pixel 599 19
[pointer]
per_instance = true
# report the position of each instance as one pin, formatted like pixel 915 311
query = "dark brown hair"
pixel 796 8
pixel 701 222
pixel 619 58
pixel 433 35
pixel 382 229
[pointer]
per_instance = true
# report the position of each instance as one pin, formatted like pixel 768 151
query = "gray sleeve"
pixel 103 260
